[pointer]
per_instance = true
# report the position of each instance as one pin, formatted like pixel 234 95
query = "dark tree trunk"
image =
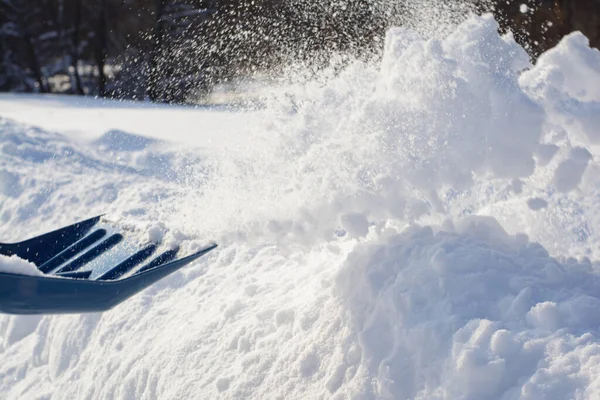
pixel 154 76
pixel 4 76
pixel 75 52
pixel 33 63
pixel 100 49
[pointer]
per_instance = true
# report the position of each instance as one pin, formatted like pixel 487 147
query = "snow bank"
pixel 16 265
pixel 472 313
pixel 424 229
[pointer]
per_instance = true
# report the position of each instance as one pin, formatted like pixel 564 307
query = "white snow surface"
pixel 420 229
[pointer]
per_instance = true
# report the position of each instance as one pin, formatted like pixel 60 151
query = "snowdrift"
pixel 423 229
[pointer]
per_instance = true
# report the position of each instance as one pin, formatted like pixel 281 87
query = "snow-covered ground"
pixel 420 229
pixel 84 119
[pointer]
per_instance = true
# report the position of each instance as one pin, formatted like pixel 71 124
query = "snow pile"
pixel 443 127
pixel 472 313
pixel 386 142
pixel 424 229
pixel 16 265
pixel 562 82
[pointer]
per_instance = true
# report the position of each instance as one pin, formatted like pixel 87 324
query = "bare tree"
pixel 157 39
pixel 75 43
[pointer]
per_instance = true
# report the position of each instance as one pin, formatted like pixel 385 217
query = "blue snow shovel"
pixel 89 266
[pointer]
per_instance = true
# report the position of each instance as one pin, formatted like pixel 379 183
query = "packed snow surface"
pixel 420 229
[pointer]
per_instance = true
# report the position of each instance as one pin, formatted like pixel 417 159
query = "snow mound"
pixel 472 313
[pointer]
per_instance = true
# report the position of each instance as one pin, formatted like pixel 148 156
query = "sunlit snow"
pixel 420 229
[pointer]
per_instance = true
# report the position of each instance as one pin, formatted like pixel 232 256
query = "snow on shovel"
pixel 89 266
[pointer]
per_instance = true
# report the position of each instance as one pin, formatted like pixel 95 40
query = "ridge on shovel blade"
pixel 89 266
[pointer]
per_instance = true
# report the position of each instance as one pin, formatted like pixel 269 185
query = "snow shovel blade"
pixel 89 266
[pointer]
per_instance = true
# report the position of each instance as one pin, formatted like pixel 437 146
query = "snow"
pixel 536 203
pixel 16 265
pixel 423 229
pixel 88 119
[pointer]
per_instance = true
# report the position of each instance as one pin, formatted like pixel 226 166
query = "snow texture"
pixel 425 228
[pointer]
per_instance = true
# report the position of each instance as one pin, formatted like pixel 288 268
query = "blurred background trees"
pixel 540 24
pixel 177 50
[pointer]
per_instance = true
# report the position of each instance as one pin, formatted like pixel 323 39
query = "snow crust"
pixel 424 228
